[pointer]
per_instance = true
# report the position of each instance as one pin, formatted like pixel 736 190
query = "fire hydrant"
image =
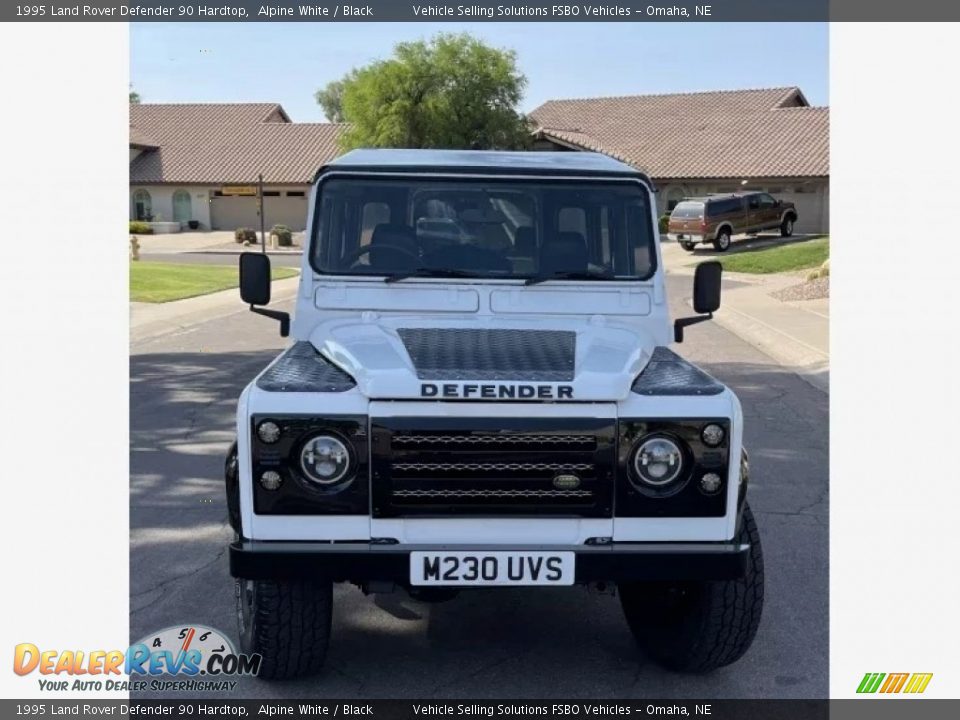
pixel 134 248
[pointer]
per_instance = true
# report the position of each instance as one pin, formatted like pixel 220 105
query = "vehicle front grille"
pixel 492 466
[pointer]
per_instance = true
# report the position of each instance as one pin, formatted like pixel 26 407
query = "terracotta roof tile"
pixel 228 143
pixel 726 134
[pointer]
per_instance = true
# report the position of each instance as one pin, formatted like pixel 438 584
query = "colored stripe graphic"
pixel 918 682
pixel 870 682
pixel 894 682
pixel 914 683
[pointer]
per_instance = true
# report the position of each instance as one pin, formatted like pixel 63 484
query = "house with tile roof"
pixel 201 162
pixel 196 161
pixel 708 142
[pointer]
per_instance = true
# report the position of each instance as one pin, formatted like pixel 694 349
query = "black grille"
pixel 492 466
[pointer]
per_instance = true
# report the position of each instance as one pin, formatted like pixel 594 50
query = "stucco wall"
pixel 161 197
pixel 279 209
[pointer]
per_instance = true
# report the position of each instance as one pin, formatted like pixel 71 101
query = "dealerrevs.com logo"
pixel 199 657
pixel 893 683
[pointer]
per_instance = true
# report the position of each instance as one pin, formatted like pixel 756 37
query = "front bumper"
pixel 363 562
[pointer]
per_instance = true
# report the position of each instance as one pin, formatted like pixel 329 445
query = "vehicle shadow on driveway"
pixel 485 643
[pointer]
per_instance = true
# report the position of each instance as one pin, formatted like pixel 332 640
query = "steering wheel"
pixel 353 257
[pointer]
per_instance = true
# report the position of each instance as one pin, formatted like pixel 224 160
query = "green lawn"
pixel 162 282
pixel 780 258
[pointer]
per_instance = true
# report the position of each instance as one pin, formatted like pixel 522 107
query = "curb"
pixel 151 320
pixel 808 362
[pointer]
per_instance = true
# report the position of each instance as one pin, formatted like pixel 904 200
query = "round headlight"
pixel 713 434
pixel 268 431
pixel 658 461
pixel 325 459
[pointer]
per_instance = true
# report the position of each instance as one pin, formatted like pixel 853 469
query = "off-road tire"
pixel 688 246
pixel 699 626
pixel 722 243
pixel 786 227
pixel 289 625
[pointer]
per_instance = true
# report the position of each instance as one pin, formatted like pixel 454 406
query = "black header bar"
pixel 528 11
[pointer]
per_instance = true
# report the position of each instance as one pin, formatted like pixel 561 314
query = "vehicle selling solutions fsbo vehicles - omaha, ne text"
pixel 490 405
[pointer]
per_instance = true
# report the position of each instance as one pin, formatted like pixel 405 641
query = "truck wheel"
pixel 287 622
pixel 688 246
pixel 722 243
pixel 786 227
pixel 699 626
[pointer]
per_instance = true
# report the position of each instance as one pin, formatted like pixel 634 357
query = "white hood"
pixel 596 360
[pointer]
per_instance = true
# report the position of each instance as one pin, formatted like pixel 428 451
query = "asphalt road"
pixel 484 644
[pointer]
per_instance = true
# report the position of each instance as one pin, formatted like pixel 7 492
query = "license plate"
pixel 467 568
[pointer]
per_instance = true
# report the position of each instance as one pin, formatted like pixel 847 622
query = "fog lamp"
pixel 713 434
pixel 710 483
pixel 271 480
pixel 268 431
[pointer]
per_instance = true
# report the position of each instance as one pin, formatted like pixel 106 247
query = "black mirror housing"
pixel 255 278
pixel 255 288
pixel 706 287
pixel 706 296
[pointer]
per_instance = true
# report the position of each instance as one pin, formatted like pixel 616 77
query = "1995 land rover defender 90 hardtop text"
pixel 480 394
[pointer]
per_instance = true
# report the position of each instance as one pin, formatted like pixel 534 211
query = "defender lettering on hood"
pixel 496 391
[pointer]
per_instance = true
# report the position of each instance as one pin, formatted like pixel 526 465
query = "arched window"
pixel 182 211
pixel 142 205
pixel 674 196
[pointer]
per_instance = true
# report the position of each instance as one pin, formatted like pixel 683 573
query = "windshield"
pixel 484 228
pixel 688 210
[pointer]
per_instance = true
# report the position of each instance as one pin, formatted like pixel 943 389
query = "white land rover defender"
pixel 480 394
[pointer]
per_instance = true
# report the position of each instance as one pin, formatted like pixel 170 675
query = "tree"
pixel 330 100
pixel 452 91
pixel 134 96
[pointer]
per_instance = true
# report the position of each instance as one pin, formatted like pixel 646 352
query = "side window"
pixel 766 201
pixel 373 214
pixel 753 202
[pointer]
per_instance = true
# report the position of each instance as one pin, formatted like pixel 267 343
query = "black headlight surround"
pixel 682 497
pixel 298 495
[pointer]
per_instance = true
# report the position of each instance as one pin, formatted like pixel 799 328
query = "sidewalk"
pixel 796 334
pixel 148 320
pixel 216 241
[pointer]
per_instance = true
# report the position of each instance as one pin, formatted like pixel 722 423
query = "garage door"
pixel 286 210
pixel 812 215
pixel 229 212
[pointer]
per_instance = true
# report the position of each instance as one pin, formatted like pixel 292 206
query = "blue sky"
pixel 287 62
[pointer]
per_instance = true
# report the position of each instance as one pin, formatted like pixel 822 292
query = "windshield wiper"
pixel 571 275
pixel 426 272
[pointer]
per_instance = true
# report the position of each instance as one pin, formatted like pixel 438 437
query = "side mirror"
pixel 255 288
pixel 255 278
pixel 706 296
pixel 706 287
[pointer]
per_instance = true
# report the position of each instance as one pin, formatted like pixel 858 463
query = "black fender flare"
pixel 231 478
